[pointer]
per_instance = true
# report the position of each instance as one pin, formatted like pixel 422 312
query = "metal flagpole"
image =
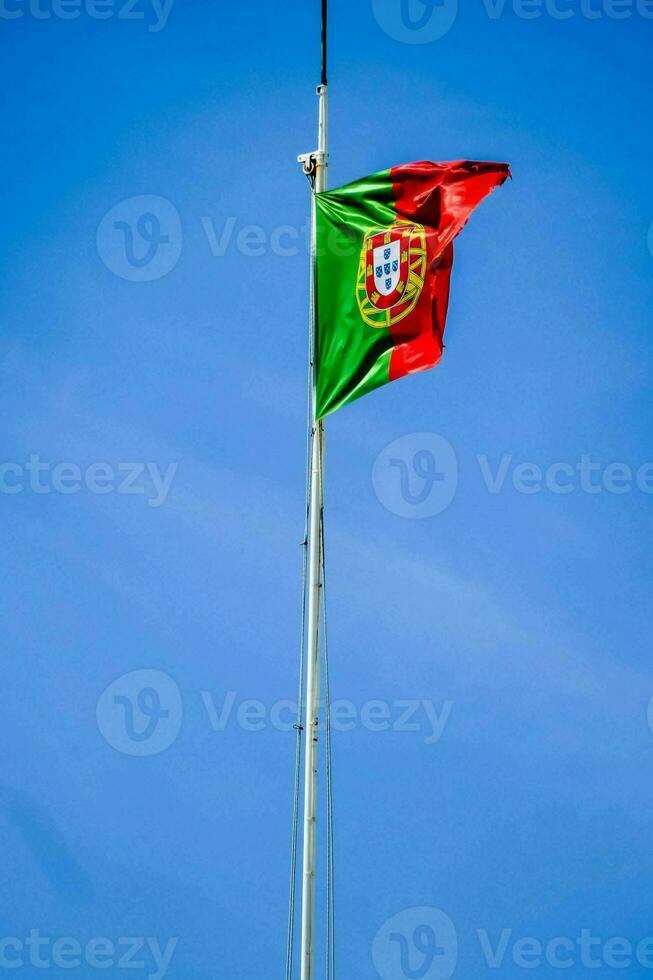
pixel 315 165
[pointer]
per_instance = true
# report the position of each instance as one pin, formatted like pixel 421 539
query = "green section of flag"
pixel 352 357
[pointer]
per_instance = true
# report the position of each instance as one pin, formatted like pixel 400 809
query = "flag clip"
pixel 311 161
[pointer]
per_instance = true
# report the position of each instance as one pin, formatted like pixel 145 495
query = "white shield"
pixel 387 267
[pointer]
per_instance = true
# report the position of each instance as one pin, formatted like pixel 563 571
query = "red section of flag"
pixel 419 338
pixel 441 197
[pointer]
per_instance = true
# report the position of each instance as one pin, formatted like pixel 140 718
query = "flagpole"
pixel 315 164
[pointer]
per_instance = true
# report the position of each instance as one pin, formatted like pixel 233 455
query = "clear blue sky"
pixel 525 617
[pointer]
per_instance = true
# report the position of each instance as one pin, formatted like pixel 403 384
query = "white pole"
pixel 314 597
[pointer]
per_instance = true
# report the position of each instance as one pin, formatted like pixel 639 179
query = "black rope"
pixel 324 41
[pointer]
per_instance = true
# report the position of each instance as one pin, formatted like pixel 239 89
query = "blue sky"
pixel 520 620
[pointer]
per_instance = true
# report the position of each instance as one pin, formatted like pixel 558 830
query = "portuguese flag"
pixel 384 258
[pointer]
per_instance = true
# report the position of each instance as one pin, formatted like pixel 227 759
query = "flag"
pixel 384 257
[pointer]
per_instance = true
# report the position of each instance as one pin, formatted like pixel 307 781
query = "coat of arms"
pixel 391 272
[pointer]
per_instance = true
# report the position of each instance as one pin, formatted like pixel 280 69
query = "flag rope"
pixel 330 896
pixel 299 728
